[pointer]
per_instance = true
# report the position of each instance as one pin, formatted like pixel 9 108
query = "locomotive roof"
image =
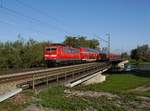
pixel 56 44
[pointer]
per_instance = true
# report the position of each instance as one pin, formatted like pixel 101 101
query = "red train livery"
pixel 62 54
pixel 59 53
pixel 109 57
pixel 87 54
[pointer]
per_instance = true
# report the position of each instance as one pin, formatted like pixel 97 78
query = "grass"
pixel 119 83
pixel 144 63
pixel 16 103
pixel 9 105
pixel 138 62
pixel 55 98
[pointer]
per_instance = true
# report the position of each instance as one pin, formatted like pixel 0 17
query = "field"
pixel 121 83
pixel 118 93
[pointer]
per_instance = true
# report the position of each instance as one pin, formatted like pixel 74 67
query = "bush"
pixel 21 54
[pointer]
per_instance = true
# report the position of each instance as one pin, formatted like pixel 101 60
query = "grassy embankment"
pixel 138 62
pixel 120 84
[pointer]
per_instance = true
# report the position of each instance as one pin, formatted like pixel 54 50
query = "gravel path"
pixel 90 94
pixel 141 89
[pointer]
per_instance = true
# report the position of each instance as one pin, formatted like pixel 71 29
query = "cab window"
pixel 51 49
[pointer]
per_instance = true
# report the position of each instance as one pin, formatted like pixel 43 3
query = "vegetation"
pixel 141 54
pixel 18 102
pixel 120 83
pixel 26 54
pixel 55 98
pixel 81 41
pixel 21 54
pixel 125 56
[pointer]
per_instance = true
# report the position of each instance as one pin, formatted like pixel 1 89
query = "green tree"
pixel 21 54
pixel 141 53
pixel 81 41
pixel 125 55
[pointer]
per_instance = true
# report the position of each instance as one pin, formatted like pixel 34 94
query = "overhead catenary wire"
pixel 41 12
pixel 36 10
pixel 34 19
pixel 14 24
pixel 35 30
pixel 103 39
pixel 106 41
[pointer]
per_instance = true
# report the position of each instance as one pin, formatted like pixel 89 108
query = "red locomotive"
pixel 59 53
pixel 63 54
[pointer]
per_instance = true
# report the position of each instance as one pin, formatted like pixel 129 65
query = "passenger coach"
pixel 63 54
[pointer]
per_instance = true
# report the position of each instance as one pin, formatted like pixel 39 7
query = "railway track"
pixel 32 78
pixel 45 75
pixel 46 72
pixel 11 71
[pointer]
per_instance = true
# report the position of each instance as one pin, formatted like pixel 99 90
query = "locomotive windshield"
pixel 51 49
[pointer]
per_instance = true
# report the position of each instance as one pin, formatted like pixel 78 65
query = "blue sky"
pixel 127 21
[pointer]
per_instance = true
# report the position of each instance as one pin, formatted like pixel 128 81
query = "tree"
pixel 71 41
pixel 27 54
pixel 125 55
pixel 21 54
pixel 141 53
pixel 81 41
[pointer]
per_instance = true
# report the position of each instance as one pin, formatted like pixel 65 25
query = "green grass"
pixel 119 83
pixel 146 93
pixel 55 98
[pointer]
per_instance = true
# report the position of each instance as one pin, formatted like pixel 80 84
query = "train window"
pixel 89 50
pixel 75 51
pixel 50 49
pixel 53 49
pixel 70 50
pixel 66 50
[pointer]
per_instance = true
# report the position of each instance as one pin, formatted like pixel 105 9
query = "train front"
pixel 50 55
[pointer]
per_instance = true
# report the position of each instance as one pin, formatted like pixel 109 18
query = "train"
pixel 58 54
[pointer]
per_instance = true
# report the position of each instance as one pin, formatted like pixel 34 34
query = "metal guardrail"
pixel 16 76
pixel 73 73
pixel 45 76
